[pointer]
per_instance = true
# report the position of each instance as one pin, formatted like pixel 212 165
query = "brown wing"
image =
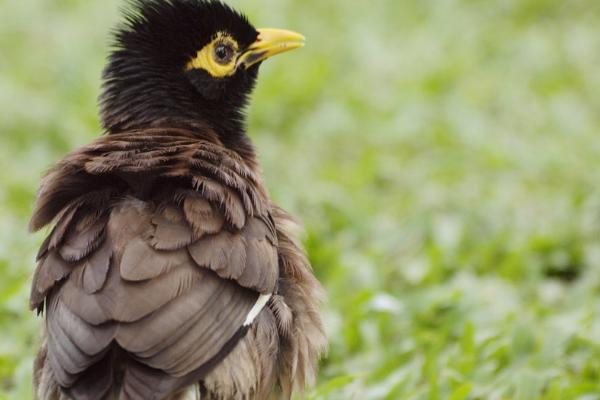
pixel 161 289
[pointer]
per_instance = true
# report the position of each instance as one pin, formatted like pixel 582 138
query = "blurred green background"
pixel 444 157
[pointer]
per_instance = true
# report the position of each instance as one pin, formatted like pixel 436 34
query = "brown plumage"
pixel 169 274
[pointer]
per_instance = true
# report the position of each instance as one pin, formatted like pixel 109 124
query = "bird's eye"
pixel 223 53
pixel 218 57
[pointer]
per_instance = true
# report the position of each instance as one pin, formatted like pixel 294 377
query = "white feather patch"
pixel 191 393
pixel 258 306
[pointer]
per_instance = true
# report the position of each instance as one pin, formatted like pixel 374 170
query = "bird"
pixel 168 272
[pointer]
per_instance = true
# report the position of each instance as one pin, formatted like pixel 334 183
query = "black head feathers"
pixel 150 79
pixel 172 31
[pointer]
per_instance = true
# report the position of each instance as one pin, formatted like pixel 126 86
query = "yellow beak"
pixel 269 43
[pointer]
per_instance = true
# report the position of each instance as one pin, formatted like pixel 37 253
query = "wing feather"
pixel 171 230
pixel 201 215
pixel 50 270
pixel 140 262
pixel 84 237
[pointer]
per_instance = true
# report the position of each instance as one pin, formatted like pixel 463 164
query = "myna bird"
pixel 169 273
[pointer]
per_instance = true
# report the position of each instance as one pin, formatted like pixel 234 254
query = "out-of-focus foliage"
pixel 443 155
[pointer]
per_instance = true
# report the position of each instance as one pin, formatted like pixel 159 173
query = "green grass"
pixel 443 155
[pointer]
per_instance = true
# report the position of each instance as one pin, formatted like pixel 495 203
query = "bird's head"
pixel 185 62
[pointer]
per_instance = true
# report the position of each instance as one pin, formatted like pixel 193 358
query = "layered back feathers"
pixel 161 246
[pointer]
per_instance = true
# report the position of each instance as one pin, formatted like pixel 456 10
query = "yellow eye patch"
pixel 218 58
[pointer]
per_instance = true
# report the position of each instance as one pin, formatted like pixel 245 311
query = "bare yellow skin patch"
pixel 218 58
pixel 222 56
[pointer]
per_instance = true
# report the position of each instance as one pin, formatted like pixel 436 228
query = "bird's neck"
pixel 132 107
pixel 230 126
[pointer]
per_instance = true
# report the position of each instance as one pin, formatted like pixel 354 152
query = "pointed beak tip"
pixel 301 38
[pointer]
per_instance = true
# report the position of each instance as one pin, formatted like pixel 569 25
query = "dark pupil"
pixel 223 53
